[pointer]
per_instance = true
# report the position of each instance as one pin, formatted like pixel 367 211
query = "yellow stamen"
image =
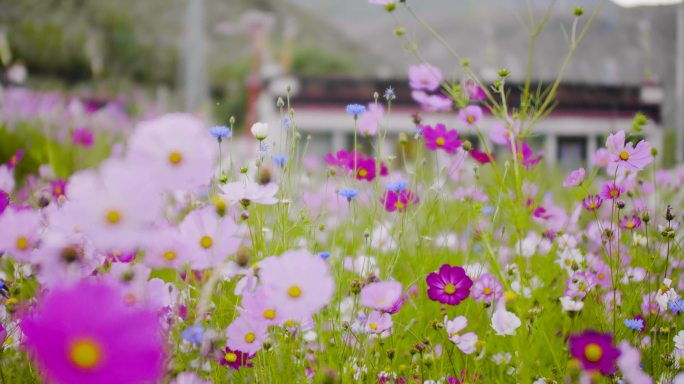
pixel 175 158
pixel 230 357
pixel 487 291
pixel 624 156
pixel 295 291
pixel 440 141
pixel 363 172
pixel 206 242
pixel 399 205
pixel 593 352
pixel 250 337
pixel 449 289
pixel 22 243
pixel 269 314
pixel 113 216
pixel 373 326
pixel 170 255
pixel 85 353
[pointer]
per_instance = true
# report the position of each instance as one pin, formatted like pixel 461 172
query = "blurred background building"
pixel 234 58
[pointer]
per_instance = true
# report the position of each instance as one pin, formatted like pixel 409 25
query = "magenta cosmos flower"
pixel 611 191
pixel 83 137
pixel 480 156
pixel 176 149
pixel 487 289
pixel 297 282
pixel 592 202
pixel 236 359
pixel 425 76
pixel 4 201
pixel 440 137
pixel 470 114
pixel 595 351
pixel 450 286
pixel 58 188
pixel 398 201
pixel 626 155
pixel 633 222
pixel 475 92
pixel 366 168
pixel 87 334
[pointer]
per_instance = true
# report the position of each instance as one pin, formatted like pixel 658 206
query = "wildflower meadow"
pixel 147 247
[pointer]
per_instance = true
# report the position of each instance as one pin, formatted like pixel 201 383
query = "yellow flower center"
pixel 269 314
pixel 363 172
pixel 22 243
pixel 592 205
pixel 295 291
pixel 58 191
pixel 471 119
pixel 613 192
pixel 593 352
pixel 230 357
pixel 399 205
pixel 206 242
pixel 601 276
pixel 113 216
pixel 373 326
pixel 175 158
pixel 449 289
pixel 250 337
pixel 630 224
pixel 170 255
pixel 440 141
pixel 85 353
pixel 487 291
pixel 624 156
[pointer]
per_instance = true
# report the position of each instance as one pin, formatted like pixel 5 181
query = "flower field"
pixel 141 247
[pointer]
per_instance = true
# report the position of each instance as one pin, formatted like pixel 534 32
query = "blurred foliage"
pixel 74 39
pixel 309 60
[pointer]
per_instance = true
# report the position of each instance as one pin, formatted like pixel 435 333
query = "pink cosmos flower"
pixel 176 149
pixel 630 223
pixel 371 119
pixel 298 283
pixel 6 179
pixel 470 115
pixel 440 137
pixel 381 295
pixel 525 153
pixel 466 342
pixel 595 351
pixel 58 188
pixel 366 168
pixel 236 359
pixel 83 137
pixel 425 76
pixel 474 91
pixel 575 178
pixel 501 134
pixel 4 201
pixel 211 238
pixel 611 191
pixel 398 201
pixel 258 307
pixel 19 233
pixel 110 207
pixel 250 192
pixel 592 202
pixel 86 334
pixel 246 335
pixel 600 158
pixel 432 103
pixel 486 289
pixel 579 284
pixel 626 155
pixel 166 248
pixel 378 322
pixel 629 363
pixel 450 286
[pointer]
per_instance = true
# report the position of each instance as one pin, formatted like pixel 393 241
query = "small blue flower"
pixel 355 109
pixel 324 255
pixel 419 132
pixel 220 132
pixel 286 122
pixel 348 193
pixel 397 186
pixel 677 306
pixel 279 160
pixel 487 209
pixel 634 324
pixel 193 334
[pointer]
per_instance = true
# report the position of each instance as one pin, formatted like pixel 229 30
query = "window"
pixel 572 152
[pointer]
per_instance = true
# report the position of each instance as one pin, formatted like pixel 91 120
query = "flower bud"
pixel 260 130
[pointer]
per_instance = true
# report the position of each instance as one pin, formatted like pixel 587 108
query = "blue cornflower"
pixel 348 193
pixel 677 306
pixel 324 255
pixel 279 160
pixel 355 109
pixel 397 186
pixel 419 132
pixel 220 132
pixel 635 324
pixel 193 334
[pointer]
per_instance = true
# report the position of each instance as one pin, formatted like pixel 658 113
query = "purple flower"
pixel 450 286
pixel 595 351
pixel 236 359
pixel 475 92
pixel 4 201
pixel 611 191
pixel 83 137
pixel 398 201
pixel 575 178
pixel 470 114
pixel 440 137
pixel 425 76
pixel 487 289
pixel 625 154
pixel 592 202
pixel 633 222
